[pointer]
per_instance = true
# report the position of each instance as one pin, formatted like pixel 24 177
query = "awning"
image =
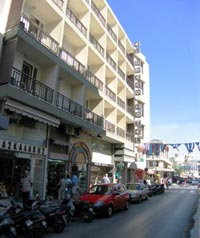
pixel 31 113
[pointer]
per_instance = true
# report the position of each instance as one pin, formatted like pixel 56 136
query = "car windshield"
pixel 101 189
pixel 134 186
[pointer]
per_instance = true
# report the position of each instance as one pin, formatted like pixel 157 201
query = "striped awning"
pixel 31 113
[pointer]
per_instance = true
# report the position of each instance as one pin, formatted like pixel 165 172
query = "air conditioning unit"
pixel 137 63
pixel 138 114
pixel 137 70
pixel 70 130
pixel 138 85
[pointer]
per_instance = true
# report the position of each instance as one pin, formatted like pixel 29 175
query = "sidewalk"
pixel 196 229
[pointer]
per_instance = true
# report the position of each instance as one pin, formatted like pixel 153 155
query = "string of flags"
pixel 151 148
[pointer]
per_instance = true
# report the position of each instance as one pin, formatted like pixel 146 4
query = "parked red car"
pixel 107 198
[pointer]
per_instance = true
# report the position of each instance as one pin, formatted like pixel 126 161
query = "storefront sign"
pixel 22 147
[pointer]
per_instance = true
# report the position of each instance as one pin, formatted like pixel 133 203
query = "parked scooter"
pixel 79 209
pixel 28 223
pixel 156 189
pixel 7 225
pixel 55 215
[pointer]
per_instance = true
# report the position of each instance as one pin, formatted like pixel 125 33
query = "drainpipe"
pixel 46 164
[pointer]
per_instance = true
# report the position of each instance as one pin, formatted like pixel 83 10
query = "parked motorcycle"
pixel 55 215
pixel 80 209
pixel 156 189
pixel 7 225
pixel 28 223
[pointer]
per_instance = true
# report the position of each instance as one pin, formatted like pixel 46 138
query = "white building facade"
pixel 75 90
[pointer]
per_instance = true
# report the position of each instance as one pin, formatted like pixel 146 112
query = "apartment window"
pixel 35 26
pixel 28 74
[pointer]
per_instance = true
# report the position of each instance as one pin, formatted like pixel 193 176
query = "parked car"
pixel 107 198
pixel 137 191
pixel 195 181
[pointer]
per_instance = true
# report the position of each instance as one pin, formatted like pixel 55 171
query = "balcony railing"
pixel 110 94
pixel 130 110
pixel 76 22
pixel 109 127
pixel 111 61
pixel 94 80
pixel 130 59
pixel 121 73
pixel 59 3
pixel 94 118
pixel 130 83
pixel 121 46
pixel 96 44
pixel 30 85
pixel 71 61
pixel 130 137
pixel 120 102
pixel 39 34
pixel 68 105
pixel 120 132
pixel 98 13
pixel 111 32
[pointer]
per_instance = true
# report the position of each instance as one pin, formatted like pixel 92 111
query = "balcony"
pixel 94 118
pixel 121 74
pixel 76 22
pixel 111 61
pixel 39 34
pixel 59 3
pixel 31 86
pixel 94 80
pixel 120 102
pixel 97 45
pixel 111 32
pixel 98 13
pixel 120 132
pixel 121 46
pixel 109 127
pixel 130 137
pixel 110 94
pixel 130 110
pixel 71 61
pixel 68 105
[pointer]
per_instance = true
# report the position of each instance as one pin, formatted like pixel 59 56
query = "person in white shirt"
pixel 26 185
pixel 105 179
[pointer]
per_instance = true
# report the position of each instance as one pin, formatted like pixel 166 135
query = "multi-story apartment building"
pixel 75 89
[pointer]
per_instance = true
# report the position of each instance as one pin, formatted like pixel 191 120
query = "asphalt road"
pixel 163 216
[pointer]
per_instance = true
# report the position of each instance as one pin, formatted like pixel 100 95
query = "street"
pixel 163 216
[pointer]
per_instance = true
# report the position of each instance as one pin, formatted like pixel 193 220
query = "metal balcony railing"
pixel 130 83
pixel 111 61
pixel 120 132
pixel 94 80
pixel 121 46
pixel 130 137
pixel 32 86
pixel 121 74
pixel 39 34
pixel 120 102
pixel 68 105
pixel 110 94
pixel 111 32
pixel 94 118
pixel 109 127
pixel 130 110
pixel 76 22
pixel 71 61
pixel 98 13
pixel 59 3
pixel 96 44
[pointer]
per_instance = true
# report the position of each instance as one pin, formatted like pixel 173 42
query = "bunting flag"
pixel 190 147
pixel 175 146
pixel 198 145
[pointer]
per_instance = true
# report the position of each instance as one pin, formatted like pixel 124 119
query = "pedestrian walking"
pixel 26 185
pixel 75 182
pixel 61 188
pixel 68 187
pixel 105 179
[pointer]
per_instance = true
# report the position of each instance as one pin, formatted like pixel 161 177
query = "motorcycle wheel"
pixel 88 217
pixel 59 225
pixel 37 230
pixel 7 234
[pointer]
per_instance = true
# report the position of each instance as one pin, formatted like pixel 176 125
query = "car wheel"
pixel 110 211
pixel 126 207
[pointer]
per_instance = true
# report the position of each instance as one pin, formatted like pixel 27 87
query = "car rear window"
pixel 101 189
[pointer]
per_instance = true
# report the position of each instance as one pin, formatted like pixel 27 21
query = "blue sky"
pixel 169 32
